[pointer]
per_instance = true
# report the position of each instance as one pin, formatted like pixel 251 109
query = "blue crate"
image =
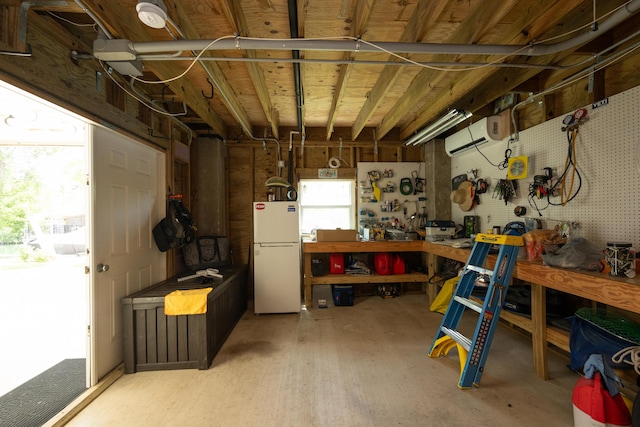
pixel 343 295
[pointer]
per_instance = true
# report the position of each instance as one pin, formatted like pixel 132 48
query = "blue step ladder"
pixel 473 352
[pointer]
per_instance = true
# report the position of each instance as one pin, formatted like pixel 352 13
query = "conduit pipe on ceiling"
pixel 293 28
pixel 242 43
pixel 172 57
pixel 95 19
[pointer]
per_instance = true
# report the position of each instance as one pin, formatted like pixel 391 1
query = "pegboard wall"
pixel 394 203
pixel 607 153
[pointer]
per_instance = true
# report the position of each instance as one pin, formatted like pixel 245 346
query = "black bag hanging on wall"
pixel 206 251
pixel 176 229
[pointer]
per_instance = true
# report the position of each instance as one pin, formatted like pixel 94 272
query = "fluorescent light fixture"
pixel 152 13
pixel 444 123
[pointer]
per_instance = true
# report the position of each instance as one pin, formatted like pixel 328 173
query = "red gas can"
pixel 336 263
pixel 383 263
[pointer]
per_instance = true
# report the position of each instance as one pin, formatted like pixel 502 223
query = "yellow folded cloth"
pixel 193 301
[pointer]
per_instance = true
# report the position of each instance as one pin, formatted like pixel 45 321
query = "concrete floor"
pixel 365 365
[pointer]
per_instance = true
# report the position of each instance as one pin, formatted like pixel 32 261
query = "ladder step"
pixel 457 337
pixel 500 239
pixel 473 305
pixel 480 270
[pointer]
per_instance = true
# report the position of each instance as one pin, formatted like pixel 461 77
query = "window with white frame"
pixel 326 204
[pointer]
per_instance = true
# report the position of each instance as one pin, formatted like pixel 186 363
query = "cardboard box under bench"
pixel 155 341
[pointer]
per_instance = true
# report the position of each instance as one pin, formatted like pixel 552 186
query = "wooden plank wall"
pixel 251 164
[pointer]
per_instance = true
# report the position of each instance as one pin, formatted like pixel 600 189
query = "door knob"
pixel 102 267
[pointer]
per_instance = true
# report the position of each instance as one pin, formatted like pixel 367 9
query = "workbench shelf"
pixel 312 249
pixel 352 279
pixel 555 336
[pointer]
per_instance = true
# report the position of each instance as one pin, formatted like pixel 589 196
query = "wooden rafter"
pixel 212 70
pixel 236 17
pixel 396 100
pixel 9 30
pixel 361 20
pixel 467 32
pixel 465 85
pixel 421 21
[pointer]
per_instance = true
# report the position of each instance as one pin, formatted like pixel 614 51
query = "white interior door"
pixel 128 200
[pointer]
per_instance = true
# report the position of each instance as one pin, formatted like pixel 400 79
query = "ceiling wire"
pixel 215 82
pixel 579 76
pixel 68 21
pixel 147 102
pixel 191 65
pixel 95 19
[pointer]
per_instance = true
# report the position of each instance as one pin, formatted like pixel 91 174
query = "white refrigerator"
pixel 276 257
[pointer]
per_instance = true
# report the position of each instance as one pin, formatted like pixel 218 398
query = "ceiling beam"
pixel 302 13
pixel 360 21
pixel 467 32
pixel 419 24
pixel 519 33
pixel 477 89
pixel 212 70
pixel 10 30
pixel 53 5
pixel 235 15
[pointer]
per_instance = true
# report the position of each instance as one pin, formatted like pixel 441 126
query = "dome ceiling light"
pixel 152 13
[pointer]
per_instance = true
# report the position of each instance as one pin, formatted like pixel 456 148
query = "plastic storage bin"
pixel 343 294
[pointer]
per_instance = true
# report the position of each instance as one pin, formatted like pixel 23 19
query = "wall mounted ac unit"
pixel 489 129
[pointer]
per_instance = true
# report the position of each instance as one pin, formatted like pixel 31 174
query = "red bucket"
pixel 594 406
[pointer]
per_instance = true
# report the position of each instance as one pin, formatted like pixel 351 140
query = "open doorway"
pixel 44 308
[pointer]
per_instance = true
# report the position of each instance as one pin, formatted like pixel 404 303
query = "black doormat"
pixel 42 397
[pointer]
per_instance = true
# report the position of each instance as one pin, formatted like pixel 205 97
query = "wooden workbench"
pixel 395 246
pixel 619 292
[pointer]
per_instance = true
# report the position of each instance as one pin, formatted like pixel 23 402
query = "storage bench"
pixel 154 341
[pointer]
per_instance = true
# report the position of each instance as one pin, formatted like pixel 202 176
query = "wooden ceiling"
pixel 262 91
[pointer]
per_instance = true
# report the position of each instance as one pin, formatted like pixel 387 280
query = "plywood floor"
pixel 365 365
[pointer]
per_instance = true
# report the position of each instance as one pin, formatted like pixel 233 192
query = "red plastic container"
pixel 398 265
pixel 336 263
pixel 594 406
pixel 383 263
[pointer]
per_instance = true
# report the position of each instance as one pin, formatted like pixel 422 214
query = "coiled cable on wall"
pixel 337 162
